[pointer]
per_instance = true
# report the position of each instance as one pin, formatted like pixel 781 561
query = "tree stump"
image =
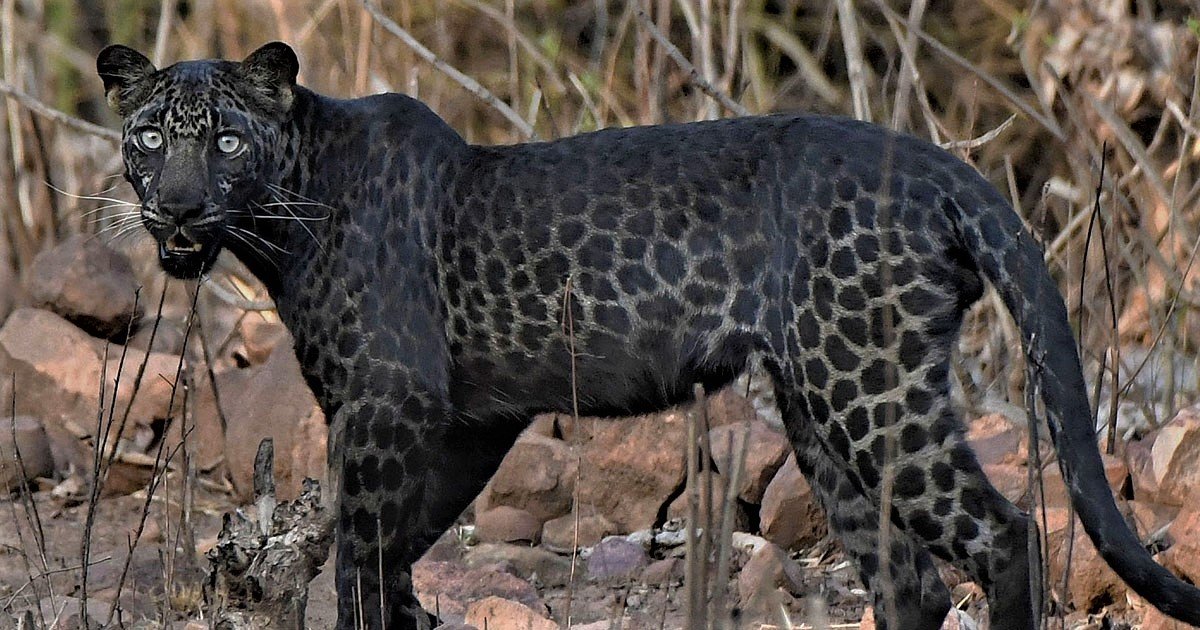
pixel 261 565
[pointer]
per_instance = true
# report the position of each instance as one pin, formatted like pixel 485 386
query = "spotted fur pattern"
pixel 427 281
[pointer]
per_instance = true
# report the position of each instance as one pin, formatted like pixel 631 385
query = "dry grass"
pixel 1087 83
pixel 1080 81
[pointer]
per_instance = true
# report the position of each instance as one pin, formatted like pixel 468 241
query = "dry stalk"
pixel 45 111
pixel 694 76
pixel 852 44
pixel 467 83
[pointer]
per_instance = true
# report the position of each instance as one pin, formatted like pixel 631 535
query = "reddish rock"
pixel 88 283
pixel 537 475
pixel 24 435
pixel 1092 582
pixel 1174 455
pixel 1055 489
pixel 508 524
pixel 545 425
pixel 729 406
pixel 1184 555
pixel 768 570
pixel 1012 480
pixel 765 450
pixel 272 400
pixel 58 370
pixel 495 613
pixel 791 515
pixel 259 338
pixel 168 337
pixel 663 572
pixel 631 467
pixel 616 558
pixel 202 426
pixel 1148 518
pixel 719 485
pixel 449 587
pixel 560 534
pixel 996 440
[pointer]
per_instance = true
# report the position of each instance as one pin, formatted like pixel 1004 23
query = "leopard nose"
pixel 181 213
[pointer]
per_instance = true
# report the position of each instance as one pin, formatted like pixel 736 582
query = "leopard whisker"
pixel 252 240
pixel 311 234
pixel 117 219
pixel 85 197
pixel 258 238
pixel 110 206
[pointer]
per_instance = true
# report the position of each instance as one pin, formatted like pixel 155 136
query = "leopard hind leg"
pixel 908 591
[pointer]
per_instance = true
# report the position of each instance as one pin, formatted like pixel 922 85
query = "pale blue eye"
pixel 150 138
pixel 228 143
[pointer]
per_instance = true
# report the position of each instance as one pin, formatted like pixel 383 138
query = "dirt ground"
pixel 159 584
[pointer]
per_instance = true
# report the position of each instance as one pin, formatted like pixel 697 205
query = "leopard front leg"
pixel 407 471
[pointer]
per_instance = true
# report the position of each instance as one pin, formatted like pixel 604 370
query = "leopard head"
pixel 202 143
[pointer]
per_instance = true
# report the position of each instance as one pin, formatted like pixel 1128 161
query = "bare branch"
pixel 41 109
pixel 693 74
pixel 469 84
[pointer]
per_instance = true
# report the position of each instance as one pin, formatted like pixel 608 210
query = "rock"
pixel 663 572
pixel 631 467
pixel 1092 582
pixel 168 337
pixel 508 524
pixel 996 440
pixel 456 626
pixel 495 613
pixel 679 506
pixel 1174 455
pixel 259 338
pixel 537 476
pixel 1148 518
pixel 1055 489
pixel 203 426
pixel 1011 480
pixel 25 435
pixel 729 406
pixel 10 288
pixel 89 284
pixel 545 425
pixel 616 558
pixel 766 451
pixel 559 534
pixel 768 570
pixel 791 516
pixel 272 400
pixel 1184 555
pixel 58 370
pixel 446 588
pixel 531 563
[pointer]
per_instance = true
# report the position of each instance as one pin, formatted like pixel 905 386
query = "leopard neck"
pixel 373 165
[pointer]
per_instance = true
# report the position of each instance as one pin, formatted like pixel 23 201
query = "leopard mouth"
pixel 184 257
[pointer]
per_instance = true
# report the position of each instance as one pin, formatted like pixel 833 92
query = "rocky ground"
pixel 584 524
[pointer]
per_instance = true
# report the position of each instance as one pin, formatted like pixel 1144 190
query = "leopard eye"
pixel 228 143
pixel 151 139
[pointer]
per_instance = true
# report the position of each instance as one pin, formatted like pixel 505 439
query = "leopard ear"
pixel 123 71
pixel 272 70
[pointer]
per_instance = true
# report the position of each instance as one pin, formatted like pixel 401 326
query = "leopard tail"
pixel 1006 254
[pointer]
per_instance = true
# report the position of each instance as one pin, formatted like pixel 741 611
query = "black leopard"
pixel 425 281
